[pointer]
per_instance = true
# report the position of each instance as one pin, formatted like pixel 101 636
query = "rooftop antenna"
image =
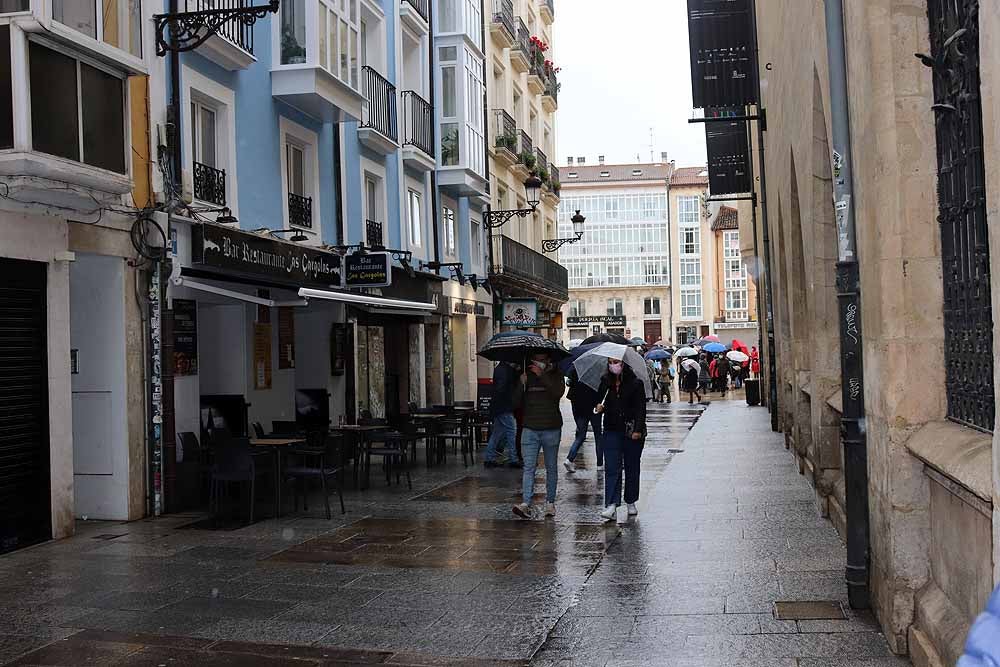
pixel 652 158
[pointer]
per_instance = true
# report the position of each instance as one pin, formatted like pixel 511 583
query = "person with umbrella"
pixel 624 410
pixel 538 395
pixel 690 371
pixel 503 436
pixel 583 399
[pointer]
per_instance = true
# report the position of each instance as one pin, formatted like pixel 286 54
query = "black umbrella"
pixel 514 347
pixel 607 338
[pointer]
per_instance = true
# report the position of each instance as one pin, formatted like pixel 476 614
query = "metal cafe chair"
pixel 391 445
pixel 319 459
pixel 234 462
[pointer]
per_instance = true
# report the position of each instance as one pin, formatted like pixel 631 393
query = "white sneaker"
pixel 524 511
pixel 622 515
pixel 600 468
pixel 569 465
pixel 608 513
pixel 632 510
pixel 550 509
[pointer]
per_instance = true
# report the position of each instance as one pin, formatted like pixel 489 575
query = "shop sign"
pixel 185 337
pixel 260 256
pixel 465 308
pixel 606 320
pixel 735 325
pixel 372 269
pixel 520 313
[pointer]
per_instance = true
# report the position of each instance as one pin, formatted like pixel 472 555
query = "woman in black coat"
pixel 624 410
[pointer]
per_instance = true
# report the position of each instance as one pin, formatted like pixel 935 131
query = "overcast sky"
pixel 625 70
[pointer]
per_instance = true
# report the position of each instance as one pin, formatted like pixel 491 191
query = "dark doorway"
pixel 25 505
pixel 652 331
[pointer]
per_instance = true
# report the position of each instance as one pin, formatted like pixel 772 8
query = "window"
pixel 476 244
pixel 10 6
pixel 616 307
pixel 448 216
pixel 614 274
pixel 651 305
pixel 338 37
pixel 119 24
pixel 731 244
pixel 689 211
pixel 447 15
pixel 735 274
pixel 690 273
pixel 414 210
pixel 690 238
pixel 295 165
pixel 204 141
pixel 577 308
pixel 77 110
pixel 736 300
pixel 691 304
pixel 372 199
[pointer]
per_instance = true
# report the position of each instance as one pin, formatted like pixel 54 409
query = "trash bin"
pixel 752 388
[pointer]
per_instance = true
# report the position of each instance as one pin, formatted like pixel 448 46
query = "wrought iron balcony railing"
pixel 373 234
pixel 503 14
pixel 554 174
pixel 300 211
pixel 541 162
pixel 379 111
pixel 418 122
pixel 523 38
pixel 551 4
pixel 421 6
pixel 525 150
pixel 209 184
pixel 530 271
pixel 234 31
pixel 552 86
pixel 505 131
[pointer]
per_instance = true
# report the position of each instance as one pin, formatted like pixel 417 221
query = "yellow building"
pixel 735 296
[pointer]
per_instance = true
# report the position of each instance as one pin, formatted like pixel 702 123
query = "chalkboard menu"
pixel 372 269
pixel 185 337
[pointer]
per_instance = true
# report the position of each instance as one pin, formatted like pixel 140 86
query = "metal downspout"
pixel 431 70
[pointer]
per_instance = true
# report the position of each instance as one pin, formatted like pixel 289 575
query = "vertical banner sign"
pixel 286 337
pixel 723 53
pixel 728 159
pixel 447 362
pixel 261 356
pixel 185 337
pixel 338 349
pixel 156 386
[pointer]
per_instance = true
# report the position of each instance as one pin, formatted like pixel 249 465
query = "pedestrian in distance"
pixel 666 381
pixel 754 362
pixel 538 394
pixel 503 437
pixel 722 374
pixel 689 379
pixel 704 375
pixel 624 410
pixel 583 399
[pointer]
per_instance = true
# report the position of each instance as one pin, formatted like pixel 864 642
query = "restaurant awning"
pixel 232 294
pixel 365 300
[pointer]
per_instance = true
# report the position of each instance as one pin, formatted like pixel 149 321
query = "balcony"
pixel 378 129
pixel 209 184
pixel 504 138
pixel 520 51
pixel 547 10
pixel 730 316
pixel 526 159
pixel 553 186
pixel 300 211
pixel 502 26
pixel 550 96
pixel 232 46
pixel 462 124
pixel 373 234
pixel 524 272
pixel 316 69
pixel 416 15
pixel 418 132
pixel 536 71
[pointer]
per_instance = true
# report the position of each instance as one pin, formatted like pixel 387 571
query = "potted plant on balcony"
pixel 292 53
pixel 555 185
pixel 508 141
pixel 543 174
pixel 528 160
pixel 449 147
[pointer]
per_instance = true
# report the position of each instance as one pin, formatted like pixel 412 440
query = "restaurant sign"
pixel 520 313
pixel 373 269
pixel 606 320
pixel 467 308
pixel 258 256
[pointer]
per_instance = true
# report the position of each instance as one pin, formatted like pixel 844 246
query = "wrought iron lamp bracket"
pixel 551 245
pixel 189 30
pixel 495 219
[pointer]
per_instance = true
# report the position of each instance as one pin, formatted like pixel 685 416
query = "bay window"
pixel 117 23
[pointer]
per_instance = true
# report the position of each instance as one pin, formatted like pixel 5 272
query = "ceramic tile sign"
pixel 520 313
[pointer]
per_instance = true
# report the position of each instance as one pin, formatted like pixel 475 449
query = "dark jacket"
pixel 581 396
pixel 625 407
pixel 540 400
pixel 504 382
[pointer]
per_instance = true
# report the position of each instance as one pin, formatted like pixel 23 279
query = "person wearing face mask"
pixel 538 395
pixel 624 410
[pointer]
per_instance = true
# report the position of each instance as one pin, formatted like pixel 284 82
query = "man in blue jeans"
pixel 538 394
pixel 504 435
pixel 584 399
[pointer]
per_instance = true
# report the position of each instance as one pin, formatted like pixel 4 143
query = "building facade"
pixel 923 200
pixel 735 298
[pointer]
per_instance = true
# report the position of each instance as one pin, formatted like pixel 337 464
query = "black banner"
pixel 185 337
pixel 259 256
pixel 373 269
pixel 723 53
pixel 728 158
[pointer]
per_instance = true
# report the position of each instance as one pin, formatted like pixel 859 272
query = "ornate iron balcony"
pixel 209 184
pixel 503 13
pixel 418 122
pixel 300 211
pixel 523 38
pixel 380 108
pixel 505 131
pixel 421 6
pixel 235 31
pixel 525 150
pixel 520 266
pixel 373 234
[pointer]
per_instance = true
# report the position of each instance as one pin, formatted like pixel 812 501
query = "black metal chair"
pixel 319 459
pixel 284 427
pixel 391 445
pixel 233 461
pixel 258 429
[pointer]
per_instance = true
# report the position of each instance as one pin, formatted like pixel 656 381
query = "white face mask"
pixel 540 365
pixel 615 369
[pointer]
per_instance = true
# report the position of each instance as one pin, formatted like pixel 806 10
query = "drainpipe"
pixel 175 107
pixel 432 70
pixel 670 260
pixel 338 157
pixel 852 423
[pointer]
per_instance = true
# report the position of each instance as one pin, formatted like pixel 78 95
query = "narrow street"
pixel 443 574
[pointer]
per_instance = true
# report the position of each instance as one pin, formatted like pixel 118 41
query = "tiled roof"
pixel 727 218
pixel 596 173
pixel 690 176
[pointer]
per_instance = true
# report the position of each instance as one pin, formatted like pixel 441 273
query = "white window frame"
pixel 206 92
pixel 477 244
pixel 342 12
pixel 97 47
pixel 688 211
pixel 686 277
pixel 307 140
pixel 615 306
pixel 414 228
pixel 690 310
pixel 651 307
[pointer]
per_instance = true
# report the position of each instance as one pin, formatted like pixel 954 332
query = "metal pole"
pixel 852 423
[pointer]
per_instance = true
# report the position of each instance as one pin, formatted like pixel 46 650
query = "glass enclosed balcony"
pixel 316 64
pixel 461 150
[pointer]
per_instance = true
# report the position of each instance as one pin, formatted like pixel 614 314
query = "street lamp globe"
pixel 578 221
pixel 532 190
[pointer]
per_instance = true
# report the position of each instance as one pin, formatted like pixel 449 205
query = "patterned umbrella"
pixel 606 338
pixel 516 346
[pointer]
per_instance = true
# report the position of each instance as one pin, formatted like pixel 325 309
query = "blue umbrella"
pixel 567 364
pixel 714 348
pixel 658 355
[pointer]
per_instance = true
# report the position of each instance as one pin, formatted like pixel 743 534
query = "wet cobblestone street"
pixel 443 574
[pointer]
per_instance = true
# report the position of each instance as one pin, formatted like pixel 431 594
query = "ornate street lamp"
pixel 532 191
pixel 551 245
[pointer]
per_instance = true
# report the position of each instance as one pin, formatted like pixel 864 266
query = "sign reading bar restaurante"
pixel 373 269
pixel 617 321
pixel 263 257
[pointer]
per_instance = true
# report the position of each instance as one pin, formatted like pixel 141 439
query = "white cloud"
pixel 625 70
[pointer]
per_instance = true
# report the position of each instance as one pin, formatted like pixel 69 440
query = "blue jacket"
pixel 982 649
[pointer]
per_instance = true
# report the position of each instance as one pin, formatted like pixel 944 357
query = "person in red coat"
pixel 755 361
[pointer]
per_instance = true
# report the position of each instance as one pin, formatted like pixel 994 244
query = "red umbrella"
pixel 713 338
pixel 737 344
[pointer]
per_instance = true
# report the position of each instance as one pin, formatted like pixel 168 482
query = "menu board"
pixel 185 337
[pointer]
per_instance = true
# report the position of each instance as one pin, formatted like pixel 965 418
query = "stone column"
pixel 418 369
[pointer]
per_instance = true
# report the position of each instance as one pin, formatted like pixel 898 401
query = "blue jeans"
pixel 583 420
pixel 504 436
pixel 548 442
pixel 621 452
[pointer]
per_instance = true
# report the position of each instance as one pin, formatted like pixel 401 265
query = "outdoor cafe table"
pixel 276 444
